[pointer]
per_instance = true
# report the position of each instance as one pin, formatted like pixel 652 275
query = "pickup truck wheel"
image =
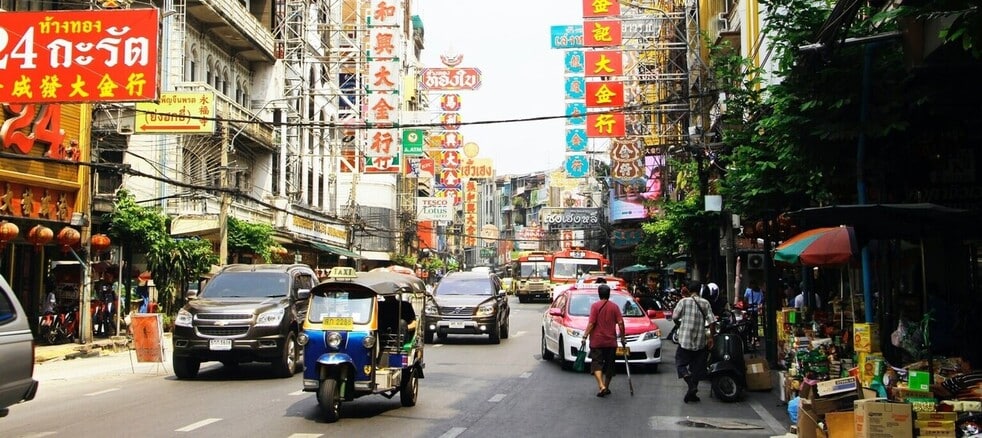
pixel 495 334
pixel 504 330
pixel 409 389
pixel 329 398
pixel 186 367
pixel 287 362
pixel 428 337
pixel 442 336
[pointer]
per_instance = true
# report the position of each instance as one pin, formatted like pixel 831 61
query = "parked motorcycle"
pixel 64 326
pixel 726 368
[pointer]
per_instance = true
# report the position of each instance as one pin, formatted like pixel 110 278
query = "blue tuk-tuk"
pixel 359 340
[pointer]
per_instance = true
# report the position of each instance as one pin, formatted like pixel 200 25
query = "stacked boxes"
pixel 936 424
pixel 882 419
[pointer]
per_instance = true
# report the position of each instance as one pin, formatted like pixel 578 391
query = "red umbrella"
pixel 819 247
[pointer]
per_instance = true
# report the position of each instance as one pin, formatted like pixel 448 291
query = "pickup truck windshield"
pixel 247 285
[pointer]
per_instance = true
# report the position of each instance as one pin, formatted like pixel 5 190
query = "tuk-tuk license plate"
pixel 338 323
pixel 220 344
pixel 456 324
pixel 623 351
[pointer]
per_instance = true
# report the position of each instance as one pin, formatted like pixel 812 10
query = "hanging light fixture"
pixel 99 242
pixel 68 237
pixel 8 232
pixel 40 235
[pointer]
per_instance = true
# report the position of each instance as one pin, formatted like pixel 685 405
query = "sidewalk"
pixel 98 347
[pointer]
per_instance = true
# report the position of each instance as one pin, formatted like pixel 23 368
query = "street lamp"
pixel 226 197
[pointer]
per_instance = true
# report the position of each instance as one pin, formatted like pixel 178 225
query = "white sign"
pixel 434 209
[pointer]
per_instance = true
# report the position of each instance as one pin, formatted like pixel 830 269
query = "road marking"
pixel 437 346
pixel 525 375
pixel 519 333
pixel 104 391
pixel 453 432
pixel 197 425
pixel 300 392
pixel 306 435
pixel 497 398
pixel 39 434
pixel 772 422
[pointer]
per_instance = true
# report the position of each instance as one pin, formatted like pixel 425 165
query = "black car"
pixel 245 313
pixel 471 303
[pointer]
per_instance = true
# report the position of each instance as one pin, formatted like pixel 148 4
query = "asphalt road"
pixel 472 389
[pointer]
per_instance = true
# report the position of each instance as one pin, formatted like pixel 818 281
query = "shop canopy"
pixel 335 250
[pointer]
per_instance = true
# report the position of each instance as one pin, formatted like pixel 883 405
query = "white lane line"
pixel 197 425
pixel 437 346
pixel 300 392
pixel 306 435
pixel 519 333
pixel 497 398
pixel 104 391
pixel 525 375
pixel 776 426
pixel 39 434
pixel 452 433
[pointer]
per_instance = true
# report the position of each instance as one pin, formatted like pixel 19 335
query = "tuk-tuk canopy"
pixel 382 283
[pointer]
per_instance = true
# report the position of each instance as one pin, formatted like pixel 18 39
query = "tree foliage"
pixel 244 236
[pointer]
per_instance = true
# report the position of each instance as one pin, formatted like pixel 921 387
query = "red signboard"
pixel 604 63
pixel 605 94
pixel 78 56
pixel 605 125
pixel 602 33
pixel 452 78
pixel 601 8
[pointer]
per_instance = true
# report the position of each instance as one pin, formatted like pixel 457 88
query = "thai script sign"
pixel 78 56
pixel 450 78
pixel 434 209
pixel 478 168
pixel 570 217
pixel 566 37
pixel 187 112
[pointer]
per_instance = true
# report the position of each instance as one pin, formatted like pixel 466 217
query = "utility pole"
pixel 226 199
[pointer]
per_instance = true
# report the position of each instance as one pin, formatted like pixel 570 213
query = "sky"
pixel 522 77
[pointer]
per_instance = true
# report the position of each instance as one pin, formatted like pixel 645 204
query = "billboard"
pixel 177 112
pixel 79 56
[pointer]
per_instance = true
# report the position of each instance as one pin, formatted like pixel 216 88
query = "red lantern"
pixel 40 235
pixel 8 231
pixel 99 242
pixel 68 237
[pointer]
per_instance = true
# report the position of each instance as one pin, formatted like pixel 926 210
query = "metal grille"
pixel 223 316
pixel 455 310
pixel 223 331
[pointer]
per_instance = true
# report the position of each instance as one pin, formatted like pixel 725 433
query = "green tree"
pixel 244 236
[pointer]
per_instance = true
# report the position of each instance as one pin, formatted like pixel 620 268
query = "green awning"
pixel 335 250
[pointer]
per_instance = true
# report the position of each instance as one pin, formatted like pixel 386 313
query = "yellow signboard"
pixel 177 112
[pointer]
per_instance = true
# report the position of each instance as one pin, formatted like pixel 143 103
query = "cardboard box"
pixel 936 416
pixel 807 424
pixel 919 380
pixel 934 424
pixel 840 424
pixel 946 433
pixel 869 366
pixel 758 375
pixel 876 418
pixel 837 386
pixel 866 337
pixel 819 405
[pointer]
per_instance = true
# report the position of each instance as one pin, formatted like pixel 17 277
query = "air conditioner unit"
pixel 124 128
pixel 755 261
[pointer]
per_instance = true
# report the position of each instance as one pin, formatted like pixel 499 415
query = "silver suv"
pixel 17 382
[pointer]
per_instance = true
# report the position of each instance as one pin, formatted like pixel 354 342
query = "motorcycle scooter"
pixel 726 369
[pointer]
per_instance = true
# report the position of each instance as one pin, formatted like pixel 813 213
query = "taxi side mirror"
pixel 555 311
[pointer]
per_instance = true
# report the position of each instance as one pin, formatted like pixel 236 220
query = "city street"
pixel 471 389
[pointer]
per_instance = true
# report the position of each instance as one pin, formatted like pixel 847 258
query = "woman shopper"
pixel 695 332
pixel 605 319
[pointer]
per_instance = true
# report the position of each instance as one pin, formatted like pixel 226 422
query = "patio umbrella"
pixel 635 268
pixel 819 247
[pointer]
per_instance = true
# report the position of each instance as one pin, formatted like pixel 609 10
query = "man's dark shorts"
pixel 602 359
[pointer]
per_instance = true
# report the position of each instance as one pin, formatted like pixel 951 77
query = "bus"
pixel 530 276
pixel 570 264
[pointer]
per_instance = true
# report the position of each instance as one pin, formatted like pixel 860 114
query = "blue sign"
pixel 575 87
pixel 576 113
pixel 577 166
pixel 566 37
pixel 576 140
pixel 574 61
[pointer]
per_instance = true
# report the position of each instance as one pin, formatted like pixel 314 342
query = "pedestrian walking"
pixel 695 332
pixel 605 320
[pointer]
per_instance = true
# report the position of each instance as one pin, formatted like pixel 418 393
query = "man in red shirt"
pixel 605 318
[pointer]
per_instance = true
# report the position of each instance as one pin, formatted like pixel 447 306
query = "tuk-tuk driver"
pixel 393 312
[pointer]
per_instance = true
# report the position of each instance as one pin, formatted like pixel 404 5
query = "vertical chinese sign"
pixel 570 38
pixel 382 153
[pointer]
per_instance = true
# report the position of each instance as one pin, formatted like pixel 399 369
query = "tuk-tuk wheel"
pixel 409 389
pixel 329 399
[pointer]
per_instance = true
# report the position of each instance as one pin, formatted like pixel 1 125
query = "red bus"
pixel 530 274
pixel 570 264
